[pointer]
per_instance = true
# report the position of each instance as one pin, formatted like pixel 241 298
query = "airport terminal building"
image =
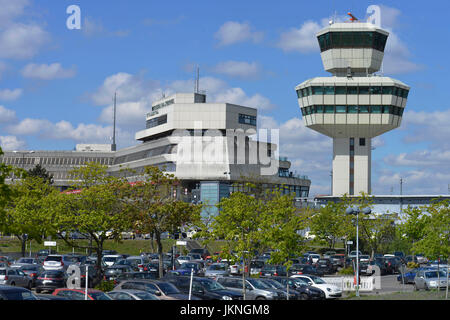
pixel 213 148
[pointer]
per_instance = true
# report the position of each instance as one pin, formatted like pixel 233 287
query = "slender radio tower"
pixel 113 146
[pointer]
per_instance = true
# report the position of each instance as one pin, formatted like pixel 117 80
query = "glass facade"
pixel 352 39
pixel 156 121
pixel 247 119
pixel 398 111
pixel 330 90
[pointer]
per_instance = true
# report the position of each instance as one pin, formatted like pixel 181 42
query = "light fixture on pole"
pixel 355 211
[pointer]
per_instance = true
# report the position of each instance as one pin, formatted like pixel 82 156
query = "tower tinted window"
pixel 355 39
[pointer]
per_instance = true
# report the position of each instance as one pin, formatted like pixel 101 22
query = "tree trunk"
pixel 160 253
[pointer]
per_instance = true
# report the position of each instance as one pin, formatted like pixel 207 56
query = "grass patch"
pixel 415 295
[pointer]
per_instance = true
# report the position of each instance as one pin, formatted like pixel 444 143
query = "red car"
pixel 79 294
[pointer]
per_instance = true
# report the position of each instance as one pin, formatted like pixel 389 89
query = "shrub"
pixel 346 271
pixel 105 286
pixel 412 265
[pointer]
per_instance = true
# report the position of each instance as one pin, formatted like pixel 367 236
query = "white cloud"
pixel 22 41
pixel 10 143
pixel 301 39
pixel 47 71
pixel 10 95
pixel 7 115
pixel 238 69
pixel 93 28
pixel 11 10
pixel 232 32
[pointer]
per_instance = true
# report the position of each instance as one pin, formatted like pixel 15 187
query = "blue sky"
pixel 56 84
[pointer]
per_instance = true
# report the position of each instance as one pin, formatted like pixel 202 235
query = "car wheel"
pixel 260 298
pixel 13 284
pixel 30 285
pixel 304 296
pixel 38 290
pixel 415 287
pixel 426 287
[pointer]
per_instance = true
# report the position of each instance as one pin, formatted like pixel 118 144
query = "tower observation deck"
pixel 353 105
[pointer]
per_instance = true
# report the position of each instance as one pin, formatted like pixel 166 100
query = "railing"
pixel 348 283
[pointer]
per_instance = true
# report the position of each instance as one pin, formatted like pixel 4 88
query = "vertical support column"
pixel 341 166
pixel 363 164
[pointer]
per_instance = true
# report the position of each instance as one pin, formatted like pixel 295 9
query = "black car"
pixel 111 273
pixel 269 270
pixel 304 269
pixel 381 263
pixel 325 265
pixel 137 275
pixel 305 291
pixel 50 280
pixel 393 264
pixel 16 293
pixel 32 270
pixel 204 288
pixel 272 283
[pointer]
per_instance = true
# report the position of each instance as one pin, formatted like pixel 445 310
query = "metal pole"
pixel 190 285
pixel 357 255
pixel 87 280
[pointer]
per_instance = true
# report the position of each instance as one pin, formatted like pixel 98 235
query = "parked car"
pixel 16 293
pixel 256 266
pixel 125 262
pixel 51 280
pixel 430 279
pixel 269 270
pixel 139 262
pixel 255 289
pixel 204 288
pixel 202 251
pixel 195 256
pixel 313 258
pixel 132 295
pixel 409 276
pixel 111 273
pixel 183 259
pixel 352 254
pixel 364 258
pixel 110 259
pixel 411 259
pixel 54 262
pixel 164 290
pixel 272 283
pixel 79 294
pixel 421 259
pixel 331 290
pixel 136 275
pixel 32 270
pixel 325 265
pixel 393 264
pixel 217 269
pixel 185 269
pixel 380 263
pixel 306 291
pixel 338 260
pixel 22 261
pixel 329 254
pixel 6 260
pixel 15 277
pixel 304 269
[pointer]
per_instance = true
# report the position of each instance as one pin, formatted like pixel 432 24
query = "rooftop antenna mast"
pixel 113 146
pixel 197 80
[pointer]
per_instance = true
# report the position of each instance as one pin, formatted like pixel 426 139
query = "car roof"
pixel 12 288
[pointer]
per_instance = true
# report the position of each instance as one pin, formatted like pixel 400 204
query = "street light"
pixel 355 211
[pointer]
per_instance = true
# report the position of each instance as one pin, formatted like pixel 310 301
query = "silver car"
pixel 217 269
pixel 15 277
pixel 255 289
pixel 131 294
pixel 430 279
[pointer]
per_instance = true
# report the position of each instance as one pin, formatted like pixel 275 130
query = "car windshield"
pixel 25 260
pixel 434 274
pixel 184 258
pixel 217 267
pixel 317 280
pixel 109 259
pixel 274 284
pixel 168 288
pixel 53 258
pixel 211 285
pixel 100 296
pixel 189 266
pixel 258 284
pixel 145 296
pixel 19 295
pixel 300 281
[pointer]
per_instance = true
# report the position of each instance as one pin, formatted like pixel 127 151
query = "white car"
pixel 184 259
pixel 331 291
pixel 314 257
pixel 110 259
pixel 364 258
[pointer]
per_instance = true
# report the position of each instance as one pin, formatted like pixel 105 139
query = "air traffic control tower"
pixel 353 105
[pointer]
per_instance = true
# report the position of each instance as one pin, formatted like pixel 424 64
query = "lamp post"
pixel 355 211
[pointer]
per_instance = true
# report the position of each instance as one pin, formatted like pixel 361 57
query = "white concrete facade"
pixel 354 105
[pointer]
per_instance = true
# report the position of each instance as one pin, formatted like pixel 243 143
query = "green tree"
pixel 155 206
pixel 95 208
pixel 41 172
pixel 25 215
pixel 6 193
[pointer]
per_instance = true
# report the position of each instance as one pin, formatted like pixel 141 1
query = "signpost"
pixel 49 244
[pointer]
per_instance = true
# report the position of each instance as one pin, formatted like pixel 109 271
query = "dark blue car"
pixel 185 269
pixel 409 276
